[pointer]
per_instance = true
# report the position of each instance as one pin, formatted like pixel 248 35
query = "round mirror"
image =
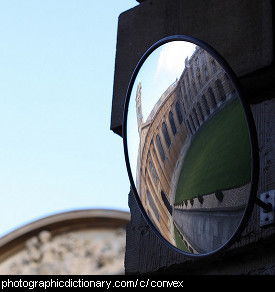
pixel 188 146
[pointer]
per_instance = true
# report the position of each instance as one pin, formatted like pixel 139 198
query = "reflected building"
pixel 202 90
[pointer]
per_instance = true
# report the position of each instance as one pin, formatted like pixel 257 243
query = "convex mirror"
pixel 188 146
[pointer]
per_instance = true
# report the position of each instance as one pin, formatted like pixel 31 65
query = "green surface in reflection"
pixel 219 156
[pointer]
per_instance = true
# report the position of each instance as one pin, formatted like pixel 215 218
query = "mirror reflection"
pixel 189 147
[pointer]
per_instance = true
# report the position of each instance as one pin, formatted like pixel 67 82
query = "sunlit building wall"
pixel 202 89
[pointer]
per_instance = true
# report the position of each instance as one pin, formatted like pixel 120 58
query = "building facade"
pixel 80 242
pixel 202 90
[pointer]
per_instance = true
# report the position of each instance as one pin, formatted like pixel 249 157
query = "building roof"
pixel 63 222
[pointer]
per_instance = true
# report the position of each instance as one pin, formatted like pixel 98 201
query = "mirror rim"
pixel 252 135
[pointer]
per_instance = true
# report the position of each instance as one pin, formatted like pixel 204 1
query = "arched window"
pixel 192 122
pixel 200 82
pixel 220 90
pixel 207 110
pixel 179 114
pixel 186 100
pixel 212 97
pixel 153 171
pixel 192 71
pixel 189 127
pixel 172 123
pixel 180 93
pixel 214 67
pixel 166 135
pixel 195 88
pixel 203 57
pixel 197 63
pixel 196 117
pixel 183 85
pixel 166 202
pixel 187 78
pixel 160 148
pixel 206 74
pixel 152 205
pixel 200 110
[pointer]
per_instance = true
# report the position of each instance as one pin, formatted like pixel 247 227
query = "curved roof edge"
pixel 65 221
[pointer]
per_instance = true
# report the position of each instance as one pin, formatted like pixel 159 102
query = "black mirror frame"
pixel 252 134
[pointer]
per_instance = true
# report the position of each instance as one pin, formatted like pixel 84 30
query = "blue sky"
pixel 57 152
pixel 161 69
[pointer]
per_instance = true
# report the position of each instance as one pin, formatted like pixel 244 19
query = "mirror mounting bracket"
pixel 267 209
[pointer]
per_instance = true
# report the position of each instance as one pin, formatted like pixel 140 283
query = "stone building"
pixel 82 242
pixel 204 87
pixel 202 90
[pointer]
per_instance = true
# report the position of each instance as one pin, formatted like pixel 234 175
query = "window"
pixel 186 100
pixel 179 115
pixel 183 84
pixel 200 110
pixel 192 122
pixel 190 94
pixel 220 90
pixel 153 171
pixel 187 78
pixel 180 93
pixel 172 123
pixel 160 148
pixel 166 135
pixel 189 127
pixel 192 71
pixel 214 66
pixel 206 73
pixel 197 63
pixel 203 57
pixel 152 205
pixel 196 117
pixel 195 88
pixel 199 77
pixel 207 110
pixel 212 97
pixel 166 202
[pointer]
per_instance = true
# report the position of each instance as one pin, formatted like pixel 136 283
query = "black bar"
pixel 266 206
